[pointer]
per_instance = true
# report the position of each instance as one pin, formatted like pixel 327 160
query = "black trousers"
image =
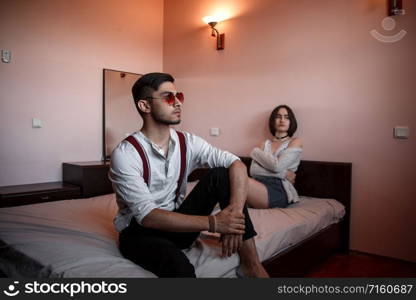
pixel 160 251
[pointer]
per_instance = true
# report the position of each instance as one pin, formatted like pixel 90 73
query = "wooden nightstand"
pixel 15 195
pixel 91 176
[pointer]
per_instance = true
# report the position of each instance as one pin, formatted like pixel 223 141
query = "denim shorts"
pixel 275 190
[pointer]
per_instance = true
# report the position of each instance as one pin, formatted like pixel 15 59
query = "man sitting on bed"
pixel 149 175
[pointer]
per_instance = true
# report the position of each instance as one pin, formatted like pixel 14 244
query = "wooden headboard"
pixel 314 179
pixel 327 180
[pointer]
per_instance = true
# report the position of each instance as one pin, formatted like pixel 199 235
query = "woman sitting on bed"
pixel 274 163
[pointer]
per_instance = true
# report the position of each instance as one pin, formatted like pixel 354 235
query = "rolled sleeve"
pixel 204 154
pixel 126 175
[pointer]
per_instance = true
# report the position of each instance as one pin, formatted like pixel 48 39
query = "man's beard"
pixel 161 120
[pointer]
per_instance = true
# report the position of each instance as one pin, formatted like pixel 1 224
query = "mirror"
pixel 120 116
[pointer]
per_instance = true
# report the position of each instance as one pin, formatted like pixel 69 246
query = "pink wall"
pixel 59 49
pixel 347 89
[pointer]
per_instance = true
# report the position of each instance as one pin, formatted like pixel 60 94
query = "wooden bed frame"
pixel 313 179
pixel 321 180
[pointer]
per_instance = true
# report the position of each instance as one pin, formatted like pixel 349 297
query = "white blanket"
pixel 76 238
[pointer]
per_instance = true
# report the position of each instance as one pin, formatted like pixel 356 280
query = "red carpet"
pixel 358 264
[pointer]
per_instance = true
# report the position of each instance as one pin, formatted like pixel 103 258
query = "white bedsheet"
pixel 76 238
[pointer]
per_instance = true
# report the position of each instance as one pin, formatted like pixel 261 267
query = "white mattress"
pixel 76 238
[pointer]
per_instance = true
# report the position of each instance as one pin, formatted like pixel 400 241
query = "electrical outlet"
pixel 214 131
pixel 401 132
pixel 6 56
pixel 36 123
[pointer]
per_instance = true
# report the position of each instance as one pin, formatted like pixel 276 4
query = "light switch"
pixel 214 131
pixel 401 132
pixel 6 56
pixel 36 123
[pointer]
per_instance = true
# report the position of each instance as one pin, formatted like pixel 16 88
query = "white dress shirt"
pixel 134 197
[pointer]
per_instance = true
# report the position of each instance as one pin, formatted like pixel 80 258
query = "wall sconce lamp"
pixel 395 8
pixel 212 22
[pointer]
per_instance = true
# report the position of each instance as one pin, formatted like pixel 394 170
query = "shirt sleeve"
pixel 204 154
pixel 126 175
pixel 289 159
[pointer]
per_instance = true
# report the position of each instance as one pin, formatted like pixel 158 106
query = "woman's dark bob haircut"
pixel 293 123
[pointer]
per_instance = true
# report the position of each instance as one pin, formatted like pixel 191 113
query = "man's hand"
pixel 230 221
pixel 233 218
pixel 291 176
pixel 231 243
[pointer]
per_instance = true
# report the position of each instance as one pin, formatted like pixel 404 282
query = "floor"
pixel 358 264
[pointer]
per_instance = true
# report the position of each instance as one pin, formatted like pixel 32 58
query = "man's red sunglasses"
pixel 169 97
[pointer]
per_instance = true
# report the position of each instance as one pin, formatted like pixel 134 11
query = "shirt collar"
pixel 172 142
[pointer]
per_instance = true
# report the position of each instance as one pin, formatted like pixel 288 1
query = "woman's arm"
pixel 289 158
pixel 264 159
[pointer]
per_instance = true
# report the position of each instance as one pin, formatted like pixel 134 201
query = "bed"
pixel 76 238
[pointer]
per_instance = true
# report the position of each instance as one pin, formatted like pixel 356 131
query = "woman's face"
pixel 282 121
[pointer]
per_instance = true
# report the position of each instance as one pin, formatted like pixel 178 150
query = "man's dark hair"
pixel 293 123
pixel 147 84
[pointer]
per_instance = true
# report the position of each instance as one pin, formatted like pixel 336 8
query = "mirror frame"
pixel 104 156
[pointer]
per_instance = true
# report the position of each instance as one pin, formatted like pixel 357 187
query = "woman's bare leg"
pixel 257 196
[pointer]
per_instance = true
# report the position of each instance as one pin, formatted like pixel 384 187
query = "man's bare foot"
pixel 252 271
